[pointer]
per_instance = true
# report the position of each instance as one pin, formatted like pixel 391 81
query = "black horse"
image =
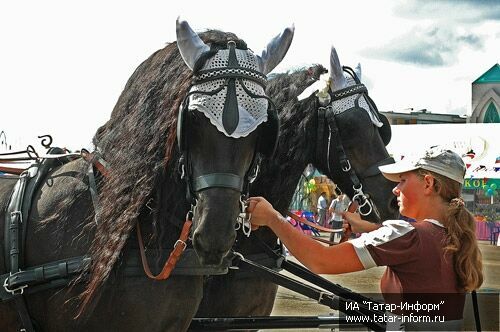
pixel 208 128
pixel 304 138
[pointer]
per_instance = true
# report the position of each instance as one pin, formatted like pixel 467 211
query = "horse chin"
pixel 210 258
pixel 384 202
pixel 211 247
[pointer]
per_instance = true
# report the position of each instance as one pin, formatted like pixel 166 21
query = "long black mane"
pixel 138 143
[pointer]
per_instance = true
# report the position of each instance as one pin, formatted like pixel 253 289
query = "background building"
pixel 486 97
pixel 422 117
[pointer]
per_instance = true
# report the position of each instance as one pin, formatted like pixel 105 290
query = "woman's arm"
pixel 318 258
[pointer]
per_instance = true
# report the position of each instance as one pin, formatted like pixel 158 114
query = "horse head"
pixel 353 142
pixel 225 124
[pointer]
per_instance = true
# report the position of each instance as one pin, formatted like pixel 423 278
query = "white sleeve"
pixel 390 231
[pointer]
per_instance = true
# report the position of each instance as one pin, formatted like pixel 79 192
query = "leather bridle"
pixel 335 149
pixel 232 73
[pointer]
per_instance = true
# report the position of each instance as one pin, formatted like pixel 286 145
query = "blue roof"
pixel 492 75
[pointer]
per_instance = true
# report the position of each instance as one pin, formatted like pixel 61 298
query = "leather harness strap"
pixel 31 279
pixel 321 131
pixel 96 160
pixel 11 170
pixel 19 277
pixel 179 247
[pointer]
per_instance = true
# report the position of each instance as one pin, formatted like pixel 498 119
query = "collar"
pixel 435 222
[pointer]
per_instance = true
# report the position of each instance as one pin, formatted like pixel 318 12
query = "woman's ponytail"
pixel 461 233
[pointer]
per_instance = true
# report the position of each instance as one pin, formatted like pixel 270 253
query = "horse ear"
pixel 275 50
pixel 189 43
pixel 336 72
pixel 357 71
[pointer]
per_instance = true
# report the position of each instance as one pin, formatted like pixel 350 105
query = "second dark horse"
pixel 306 138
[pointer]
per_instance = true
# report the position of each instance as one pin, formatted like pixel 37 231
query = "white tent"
pixel 483 139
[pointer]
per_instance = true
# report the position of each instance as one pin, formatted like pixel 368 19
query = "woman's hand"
pixel 357 224
pixel 262 212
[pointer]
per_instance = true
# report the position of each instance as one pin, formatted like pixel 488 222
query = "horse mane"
pixel 138 143
pixel 294 150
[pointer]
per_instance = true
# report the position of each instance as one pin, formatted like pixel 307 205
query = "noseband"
pixel 327 115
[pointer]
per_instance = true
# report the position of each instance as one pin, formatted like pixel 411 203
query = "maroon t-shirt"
pixel 418 268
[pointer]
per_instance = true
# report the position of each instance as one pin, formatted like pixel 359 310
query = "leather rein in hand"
pixel 347 233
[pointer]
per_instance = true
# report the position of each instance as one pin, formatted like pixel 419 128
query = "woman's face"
pixel 409 192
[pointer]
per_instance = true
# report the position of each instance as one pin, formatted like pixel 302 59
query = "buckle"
pixel 237 257
pixel 182 242
pixel 346 167
pixel 17 213
pixel 16 291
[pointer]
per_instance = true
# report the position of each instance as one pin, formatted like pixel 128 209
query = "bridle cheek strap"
pixel 327 118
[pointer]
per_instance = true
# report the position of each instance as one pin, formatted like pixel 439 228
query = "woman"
pixel 438 254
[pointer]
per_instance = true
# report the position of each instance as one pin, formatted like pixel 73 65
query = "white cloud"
pixel 64 64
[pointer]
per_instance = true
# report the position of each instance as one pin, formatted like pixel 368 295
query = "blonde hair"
pixel 461 232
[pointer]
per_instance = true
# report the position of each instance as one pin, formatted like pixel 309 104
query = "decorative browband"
pixel 245 73
pixel 349 91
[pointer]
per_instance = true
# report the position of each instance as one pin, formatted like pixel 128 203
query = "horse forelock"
pixel 138 143
pixel 286 87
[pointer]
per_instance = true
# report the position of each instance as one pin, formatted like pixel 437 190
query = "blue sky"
pixel 64 63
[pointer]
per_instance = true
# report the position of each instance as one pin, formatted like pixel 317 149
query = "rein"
pixel 26 156
pixel 308 223
pixel 347 233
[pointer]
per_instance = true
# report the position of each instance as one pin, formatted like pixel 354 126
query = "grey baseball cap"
pixel 436 159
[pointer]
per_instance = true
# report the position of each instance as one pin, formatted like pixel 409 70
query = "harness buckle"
pixel 322 295
pixel 238 257
pixel 346 167
pixel 362 200
pixel 17 213
pixel 181 242
pixel 243 219
pixel 16 291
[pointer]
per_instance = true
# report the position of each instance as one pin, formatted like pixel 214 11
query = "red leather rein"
pixel 345 236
